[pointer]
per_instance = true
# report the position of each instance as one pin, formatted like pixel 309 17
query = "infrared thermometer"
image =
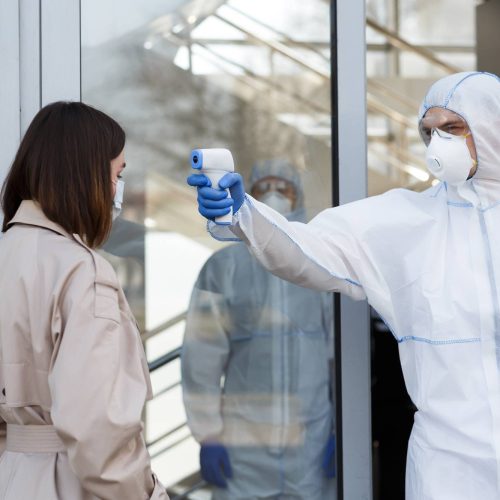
pixel 215 163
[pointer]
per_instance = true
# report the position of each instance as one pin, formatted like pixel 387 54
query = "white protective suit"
pixel 270 341
pixel 429 263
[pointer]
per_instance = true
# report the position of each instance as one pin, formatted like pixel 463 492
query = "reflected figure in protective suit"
pixel 256 369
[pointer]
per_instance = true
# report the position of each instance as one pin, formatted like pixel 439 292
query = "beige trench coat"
pixel 73 374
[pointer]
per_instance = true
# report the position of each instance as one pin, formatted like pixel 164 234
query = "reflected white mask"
pixel 448 157
pixel 277 201
pixel 118 199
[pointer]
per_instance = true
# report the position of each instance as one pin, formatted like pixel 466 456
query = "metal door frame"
pixel 352 327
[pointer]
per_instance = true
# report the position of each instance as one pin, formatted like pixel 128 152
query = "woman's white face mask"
pixel 448 157
pixel 118 198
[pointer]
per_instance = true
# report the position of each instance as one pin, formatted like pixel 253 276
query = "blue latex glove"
pixel 214 464
pixel 329 466
pixel 214 202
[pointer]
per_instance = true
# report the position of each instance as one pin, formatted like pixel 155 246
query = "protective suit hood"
pixel 476 97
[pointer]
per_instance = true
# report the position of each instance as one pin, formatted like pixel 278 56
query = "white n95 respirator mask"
pixel 277 201
pixel 448 157
pixel 118 198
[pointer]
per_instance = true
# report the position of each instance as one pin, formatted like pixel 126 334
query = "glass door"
pixel 255 78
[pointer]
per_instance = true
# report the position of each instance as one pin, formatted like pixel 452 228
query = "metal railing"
pixel 154 365
pixel 165 359
pixel 398 42
pixel 164 326
pixel 198 486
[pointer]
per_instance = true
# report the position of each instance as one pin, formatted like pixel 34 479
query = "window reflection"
pixel 257 365
pixel 253 77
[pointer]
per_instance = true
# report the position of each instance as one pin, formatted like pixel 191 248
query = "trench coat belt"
pixel 33 439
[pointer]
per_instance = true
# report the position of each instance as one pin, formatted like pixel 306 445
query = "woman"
pixel 73 375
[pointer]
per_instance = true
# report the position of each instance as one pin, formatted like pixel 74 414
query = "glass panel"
pixel 397 82
pixel 258 356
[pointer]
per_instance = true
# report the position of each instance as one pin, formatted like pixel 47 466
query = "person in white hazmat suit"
pixel 266 432
pixel 429 263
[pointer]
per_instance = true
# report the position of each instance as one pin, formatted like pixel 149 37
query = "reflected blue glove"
pixel 214 202
pixel 329 465
pixel 214 464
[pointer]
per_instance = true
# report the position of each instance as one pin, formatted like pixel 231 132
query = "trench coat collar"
pixel 30 213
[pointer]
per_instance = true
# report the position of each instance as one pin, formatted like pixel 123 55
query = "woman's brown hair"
pixel 63 163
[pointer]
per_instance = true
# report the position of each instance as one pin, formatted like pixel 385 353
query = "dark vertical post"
pixel 335 202
pixel 488 36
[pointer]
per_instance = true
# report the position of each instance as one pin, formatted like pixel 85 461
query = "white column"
pixel 60 50
pixel 9 84
pixel 30 88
